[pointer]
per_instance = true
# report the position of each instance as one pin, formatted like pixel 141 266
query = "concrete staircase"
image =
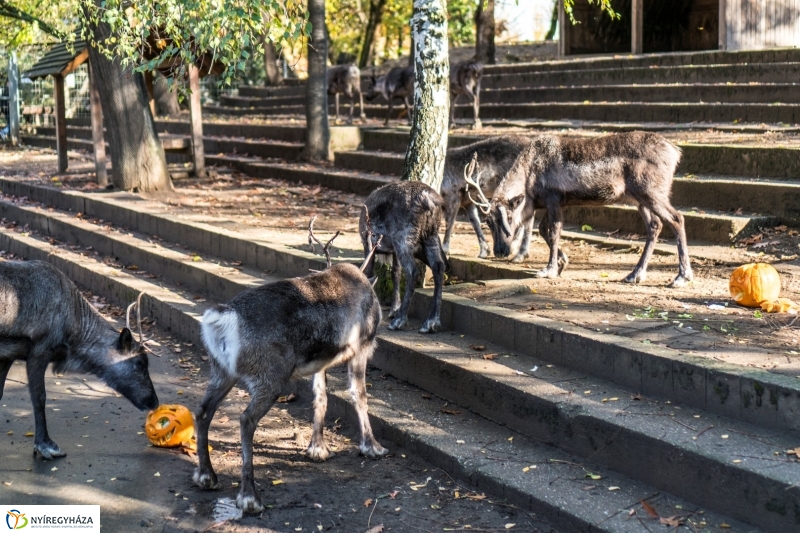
pixel 581 459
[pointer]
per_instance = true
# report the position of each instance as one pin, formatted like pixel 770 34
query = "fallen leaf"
pixel 490 356
pixel 368 502
pixel 434 506
pixel 509 526
pixel 426 396
pixel 477 347
pixel 725 526
pixel 277 482
pixel 10 433
pixel 649 509
pixel 796 452
pixel 394 494
pixel 29 434
pixel 286 399
pixel 613 488
pixel 157 474
pixel 672 521
pixel 476 497
pixel 450 412
pixel 375 529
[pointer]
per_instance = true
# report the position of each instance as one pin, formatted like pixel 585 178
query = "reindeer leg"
pixel 42 444
pixel 450 212
pixel 352 106
pixel 263 395
pixel 218 388
pixel 5 366
pixel 476 104
pixel 318 450
pixel 361 105
pixel 396 275
pixel 475 221
pixel 524 248
pixel 653 226
pixel 357 371
pixel 435 259
pixel 544 231
pixel 674 219
pixel 388 113
pixel 412 273
pixel 555 220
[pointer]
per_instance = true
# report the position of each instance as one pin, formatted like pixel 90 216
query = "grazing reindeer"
pixel 288 329
pixel 465 78
pixel 346 79
pixel 44 319
pixel 496 156
pixel 407 215
pixel 398 83
pixel 554 172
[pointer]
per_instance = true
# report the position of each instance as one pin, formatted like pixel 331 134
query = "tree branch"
pixel 9 11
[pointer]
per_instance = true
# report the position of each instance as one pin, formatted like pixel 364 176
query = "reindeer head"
pixel 505 212
pixel 125 368
pixel 376 87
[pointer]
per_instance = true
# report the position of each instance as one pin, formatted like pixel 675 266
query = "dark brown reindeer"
pixel 44 319
pixel 397 83
pixel 554 172
pixel 407 216
pixel 346 79
pixel 292 328
pixel 465 79
pixel 496 155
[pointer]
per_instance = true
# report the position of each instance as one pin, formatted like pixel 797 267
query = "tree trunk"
pixel 376 8
pixel 274 76
pixel 98 139
pixel 428 144
pixel 317 133
pixel 61 122
pixel 484 32
pixel 196 122
pixel 553 23
pixel 137 157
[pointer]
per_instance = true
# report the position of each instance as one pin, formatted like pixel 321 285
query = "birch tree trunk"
pixel 317 133
pixel 427 146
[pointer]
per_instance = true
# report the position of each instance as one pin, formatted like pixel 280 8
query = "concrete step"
pixel 773 162
pixel 631 438
pixel 549 481
pixel 693 380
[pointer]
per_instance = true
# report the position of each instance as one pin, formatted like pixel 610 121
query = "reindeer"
pixel 346 79
pixel 44 319
pixel 496 156
pixel 407 215
pixel 554 172
pixel 288 329
pixel 465 78
pixel 398 83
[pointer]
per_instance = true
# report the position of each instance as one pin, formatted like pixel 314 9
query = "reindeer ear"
pixel 125 341
pixel 514 203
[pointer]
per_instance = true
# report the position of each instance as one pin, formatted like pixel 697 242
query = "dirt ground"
pixel 143 488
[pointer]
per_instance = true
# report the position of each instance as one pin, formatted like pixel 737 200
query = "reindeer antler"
pixel 313 238
pixel 139 317
pixel 469 170
pixel 368 231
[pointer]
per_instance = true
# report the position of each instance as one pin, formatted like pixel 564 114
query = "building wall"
pixel 756 24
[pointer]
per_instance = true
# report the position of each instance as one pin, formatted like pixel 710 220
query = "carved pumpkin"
pixel 754 283
pixel 781 305
pixel 169 425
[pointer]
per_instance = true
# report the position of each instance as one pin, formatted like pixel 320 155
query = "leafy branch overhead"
pixel 605 6
pixel 149 34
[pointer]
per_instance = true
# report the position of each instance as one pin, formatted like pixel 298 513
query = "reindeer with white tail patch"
pixel 553 172
pixel 288 329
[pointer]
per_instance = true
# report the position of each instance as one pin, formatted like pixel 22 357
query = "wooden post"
pixel 13 99
pixel 563 30
pixel 97 130
pixel 722 25
pixel 637 25
pixel 148 83
pixel 196 115
pixel 61 123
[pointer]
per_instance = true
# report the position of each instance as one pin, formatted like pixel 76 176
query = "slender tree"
pixel 484 32
pixel 551 32
pixel 376 8
pixel 428 144
pixel 274 74
pixel 317 133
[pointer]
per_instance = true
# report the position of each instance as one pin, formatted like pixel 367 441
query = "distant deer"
pixel 288 329
pixel 407 216
pixel 44 319
pixel 397 83
pixel 465 78
pixel 496 155
pixel 553 172
pixel 346 79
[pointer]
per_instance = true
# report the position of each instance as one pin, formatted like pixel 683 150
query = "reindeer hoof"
pixel 680 281
pixel 373 450
pixel 431 326
pixel 319 453
pixel 635 277
pixel 477 125
pixel 249 503
pixel 549 273
pixel 519 258
pixel 48 450
pixel 397 323
pixel 206 480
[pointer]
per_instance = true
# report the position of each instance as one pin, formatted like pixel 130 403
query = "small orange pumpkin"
pixel 754 283
pixel 169 425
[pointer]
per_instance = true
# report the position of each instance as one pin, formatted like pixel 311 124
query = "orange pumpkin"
pixel 781 305
pixel 169 425
pixel 754 283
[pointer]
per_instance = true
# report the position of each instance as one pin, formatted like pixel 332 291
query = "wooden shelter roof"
pixel 61 59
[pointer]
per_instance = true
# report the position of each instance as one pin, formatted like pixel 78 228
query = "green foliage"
pixel 461 22
pixel 605 5
pixel 174 33
pixel 27 22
